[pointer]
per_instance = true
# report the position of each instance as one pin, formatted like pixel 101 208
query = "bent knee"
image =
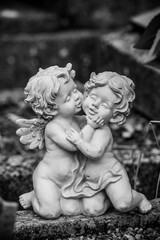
pixel 49 213
pixel 123 206
pixel 71 207
pixel 93 208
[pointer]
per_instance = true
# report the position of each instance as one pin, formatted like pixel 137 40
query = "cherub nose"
pixel 95 104
pixel 76 97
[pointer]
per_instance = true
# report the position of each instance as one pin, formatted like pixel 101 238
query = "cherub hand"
pixel 95 122
pixel 73 136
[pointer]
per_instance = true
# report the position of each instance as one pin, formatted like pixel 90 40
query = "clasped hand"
pixel 95 122
pixel 73 136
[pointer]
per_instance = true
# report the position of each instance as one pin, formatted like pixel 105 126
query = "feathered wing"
pixel 31 132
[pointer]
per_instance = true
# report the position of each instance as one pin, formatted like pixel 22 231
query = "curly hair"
pixel 122 86
pixel 42 88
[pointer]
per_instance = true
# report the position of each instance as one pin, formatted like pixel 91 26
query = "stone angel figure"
pixel 53 96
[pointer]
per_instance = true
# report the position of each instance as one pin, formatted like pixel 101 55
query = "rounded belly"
pixel 57 170
pixel 94 168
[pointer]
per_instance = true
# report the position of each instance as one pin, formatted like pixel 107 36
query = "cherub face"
pixel 100 101
pixel 69 99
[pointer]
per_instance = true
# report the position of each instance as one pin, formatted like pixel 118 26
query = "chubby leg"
pixel 45 199
pixel 124 198
pixel 71 206
pixel 96 205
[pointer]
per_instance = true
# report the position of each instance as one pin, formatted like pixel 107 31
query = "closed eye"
pixel 68 98
pixel 105 105
pixel 93 97
pixel 75 90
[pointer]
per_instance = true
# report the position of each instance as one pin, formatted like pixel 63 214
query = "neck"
pixel 105 125
pixel 60 118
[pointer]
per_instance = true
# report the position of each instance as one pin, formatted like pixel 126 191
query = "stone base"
pixel 112 225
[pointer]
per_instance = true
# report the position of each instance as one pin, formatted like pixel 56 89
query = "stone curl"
pixel 43 87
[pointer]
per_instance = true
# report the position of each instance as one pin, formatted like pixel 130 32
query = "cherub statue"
pixel 54 97
pixel 108 98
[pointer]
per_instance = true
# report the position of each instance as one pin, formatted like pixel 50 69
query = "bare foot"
pixel 25 200
pixel 145 206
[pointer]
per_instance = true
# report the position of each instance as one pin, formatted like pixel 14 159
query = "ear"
pixel 117 118
pixel 51 110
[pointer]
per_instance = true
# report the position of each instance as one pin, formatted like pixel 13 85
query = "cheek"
pixel 104 113
pixel 68 107
pixel 85 105
pixel 71 105
pixel 80 96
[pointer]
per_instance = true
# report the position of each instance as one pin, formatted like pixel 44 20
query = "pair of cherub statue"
pixel 79 173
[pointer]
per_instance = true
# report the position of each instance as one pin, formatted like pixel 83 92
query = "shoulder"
pixel 52 128
pixel 103 133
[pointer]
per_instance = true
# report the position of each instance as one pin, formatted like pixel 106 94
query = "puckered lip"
pixel 92 111
pixel 79 104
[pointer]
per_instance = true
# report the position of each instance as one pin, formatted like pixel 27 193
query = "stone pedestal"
pixel 112 225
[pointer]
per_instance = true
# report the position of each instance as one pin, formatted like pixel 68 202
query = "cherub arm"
pixel 58 135
pixel 87 133
pixel 89 128
pixel 93 149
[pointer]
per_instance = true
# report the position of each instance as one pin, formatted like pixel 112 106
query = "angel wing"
pixel 31 132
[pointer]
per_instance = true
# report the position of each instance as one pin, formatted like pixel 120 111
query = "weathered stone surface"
pixel 24 54
pixel 112 225
pixel 117 54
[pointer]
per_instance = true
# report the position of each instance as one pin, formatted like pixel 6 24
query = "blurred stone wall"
pixel 42 33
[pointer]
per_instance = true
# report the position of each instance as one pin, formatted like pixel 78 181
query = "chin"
pixel 78 110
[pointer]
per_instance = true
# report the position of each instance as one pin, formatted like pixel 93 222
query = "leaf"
pixel 149 34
